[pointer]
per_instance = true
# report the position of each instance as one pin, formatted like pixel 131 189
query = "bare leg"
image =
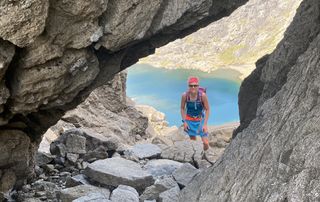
pixel 205 141
pixel 193 138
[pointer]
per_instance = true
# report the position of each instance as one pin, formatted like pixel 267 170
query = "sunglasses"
pixel 193 86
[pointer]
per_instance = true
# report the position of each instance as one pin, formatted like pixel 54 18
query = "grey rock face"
pixel 274 157
pixel 173 11
pixel 126 21
pixel 118 171
pixel 124 194
pixel 144 151
pixel 185 174
pixel 21 22
pixel 65 77
pixel 70 194
pixel 162 167
pixel 70 25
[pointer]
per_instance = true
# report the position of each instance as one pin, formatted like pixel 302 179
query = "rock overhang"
pixel 53 57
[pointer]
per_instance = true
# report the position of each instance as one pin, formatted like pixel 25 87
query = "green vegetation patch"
pixel 228 56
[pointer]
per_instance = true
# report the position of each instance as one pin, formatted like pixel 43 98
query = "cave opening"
pixel 108 111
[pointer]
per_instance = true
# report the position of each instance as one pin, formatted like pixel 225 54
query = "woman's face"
pixel 193 87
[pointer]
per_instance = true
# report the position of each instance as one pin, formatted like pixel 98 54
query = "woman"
pixel 195 112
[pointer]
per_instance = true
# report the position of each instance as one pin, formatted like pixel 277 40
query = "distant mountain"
pixel 236 42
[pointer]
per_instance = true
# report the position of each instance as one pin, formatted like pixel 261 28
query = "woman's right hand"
pixel 185 126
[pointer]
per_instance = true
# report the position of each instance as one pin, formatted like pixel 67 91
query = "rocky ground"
pixel 87 166
pixel 110 149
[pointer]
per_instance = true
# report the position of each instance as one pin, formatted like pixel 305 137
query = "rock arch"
pixel 54 53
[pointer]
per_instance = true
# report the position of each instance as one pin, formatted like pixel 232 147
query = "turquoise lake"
pixel 162 89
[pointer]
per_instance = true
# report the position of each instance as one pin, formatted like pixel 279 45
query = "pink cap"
pixel 193 79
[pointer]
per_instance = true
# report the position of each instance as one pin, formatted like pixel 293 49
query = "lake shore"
pixel 222 85
pixel 159 124
pixel 232 72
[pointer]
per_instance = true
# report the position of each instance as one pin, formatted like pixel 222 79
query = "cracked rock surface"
pixel 274 157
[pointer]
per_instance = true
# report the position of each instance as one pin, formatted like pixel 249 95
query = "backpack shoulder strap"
pixel 200 94
pixel 201 91
pixel 199 97
pixel 187 96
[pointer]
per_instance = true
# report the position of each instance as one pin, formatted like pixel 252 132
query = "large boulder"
pixel 119 171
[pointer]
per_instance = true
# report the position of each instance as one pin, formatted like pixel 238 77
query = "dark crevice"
pixel 249 94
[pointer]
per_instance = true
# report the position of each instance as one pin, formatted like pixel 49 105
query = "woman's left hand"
pixel 205 128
